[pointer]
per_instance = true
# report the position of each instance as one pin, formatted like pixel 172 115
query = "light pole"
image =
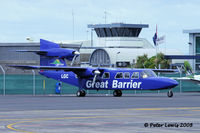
pixel 33 82
pixel 4 80
pixel 92 37
pixel 116 58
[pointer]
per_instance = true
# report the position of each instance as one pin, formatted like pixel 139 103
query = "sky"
pixel 52 19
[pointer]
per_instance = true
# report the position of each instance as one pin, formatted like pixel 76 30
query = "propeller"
pixel 76 54
pixel 96 73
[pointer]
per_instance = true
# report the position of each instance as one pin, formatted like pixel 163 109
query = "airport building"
pixel 194 47
pixel 119 45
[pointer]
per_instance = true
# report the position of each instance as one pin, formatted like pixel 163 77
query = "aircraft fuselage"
pixel 122 79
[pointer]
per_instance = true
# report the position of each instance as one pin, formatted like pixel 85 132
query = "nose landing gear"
pixel 170 93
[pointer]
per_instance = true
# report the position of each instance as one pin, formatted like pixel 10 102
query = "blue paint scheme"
pixel 52 66
pixel 149 83
pixel 54 50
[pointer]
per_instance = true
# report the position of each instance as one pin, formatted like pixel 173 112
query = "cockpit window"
pixel 135 75
pixel 119 75
pixel 126 75
pixel 147 73
pixel 106 75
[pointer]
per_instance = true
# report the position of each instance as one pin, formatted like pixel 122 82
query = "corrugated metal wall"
pixel 7 54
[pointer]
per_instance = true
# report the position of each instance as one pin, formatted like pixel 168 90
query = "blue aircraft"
pixel 53 65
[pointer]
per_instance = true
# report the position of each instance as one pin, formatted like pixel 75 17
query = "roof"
pixel 118 25
pixel 182 57
pixel 22 44
pixel 192 31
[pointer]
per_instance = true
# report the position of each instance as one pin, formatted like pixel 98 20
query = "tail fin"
pixel 44 45
pixel 50 61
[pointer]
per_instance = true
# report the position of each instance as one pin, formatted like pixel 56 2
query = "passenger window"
pixel 106 75
pixel 126 75
pixel 119 75
pixel 143 75
pixel 147 73
pixel 135 75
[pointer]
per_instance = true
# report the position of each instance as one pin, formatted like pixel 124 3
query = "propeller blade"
pixel 73 60
pixel 76 54
pixel 96 73
pixel 94 79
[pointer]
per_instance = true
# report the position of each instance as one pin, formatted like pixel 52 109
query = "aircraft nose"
pixel 172 83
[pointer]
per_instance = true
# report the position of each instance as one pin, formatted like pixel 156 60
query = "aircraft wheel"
pixel 80 93
pixel 170 93
pixel 117 93
pixel 83 93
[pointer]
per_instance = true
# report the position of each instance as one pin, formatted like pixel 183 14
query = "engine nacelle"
pixel 89 73
pixel 61 53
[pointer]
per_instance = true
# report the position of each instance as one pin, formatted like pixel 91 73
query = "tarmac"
pixel 142 113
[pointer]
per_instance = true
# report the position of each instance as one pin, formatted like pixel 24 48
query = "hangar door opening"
pixel 100 58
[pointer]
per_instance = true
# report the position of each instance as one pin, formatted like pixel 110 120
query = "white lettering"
pixel 135 85
pixel 139 83
pixel 126 85
pixel 115 84
pixel 96 84
pixel 64 76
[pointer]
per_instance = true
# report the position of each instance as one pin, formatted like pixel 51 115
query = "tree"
pixel 145 62
pixel 187 66
pixel 141 60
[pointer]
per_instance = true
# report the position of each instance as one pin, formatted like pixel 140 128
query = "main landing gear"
pixel 170 93
pixel 117 93
pixel 80 93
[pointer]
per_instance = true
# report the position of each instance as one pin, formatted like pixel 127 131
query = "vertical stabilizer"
pixel 50 61
pixel 44 45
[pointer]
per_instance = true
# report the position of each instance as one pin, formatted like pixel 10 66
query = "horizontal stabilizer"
pixel 33 51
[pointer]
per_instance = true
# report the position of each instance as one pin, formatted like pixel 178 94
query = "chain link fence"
pixel 40 85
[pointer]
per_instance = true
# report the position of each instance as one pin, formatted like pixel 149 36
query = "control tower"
pixel 119 35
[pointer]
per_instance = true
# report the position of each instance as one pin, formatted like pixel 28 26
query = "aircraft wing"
pixel 182 78
pixel 50 68
pixel 188 79
pixel 80 71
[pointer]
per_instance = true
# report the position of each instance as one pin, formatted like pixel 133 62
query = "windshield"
pixel 147 73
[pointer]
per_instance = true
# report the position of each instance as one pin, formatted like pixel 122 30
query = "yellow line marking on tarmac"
pixel 10 126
